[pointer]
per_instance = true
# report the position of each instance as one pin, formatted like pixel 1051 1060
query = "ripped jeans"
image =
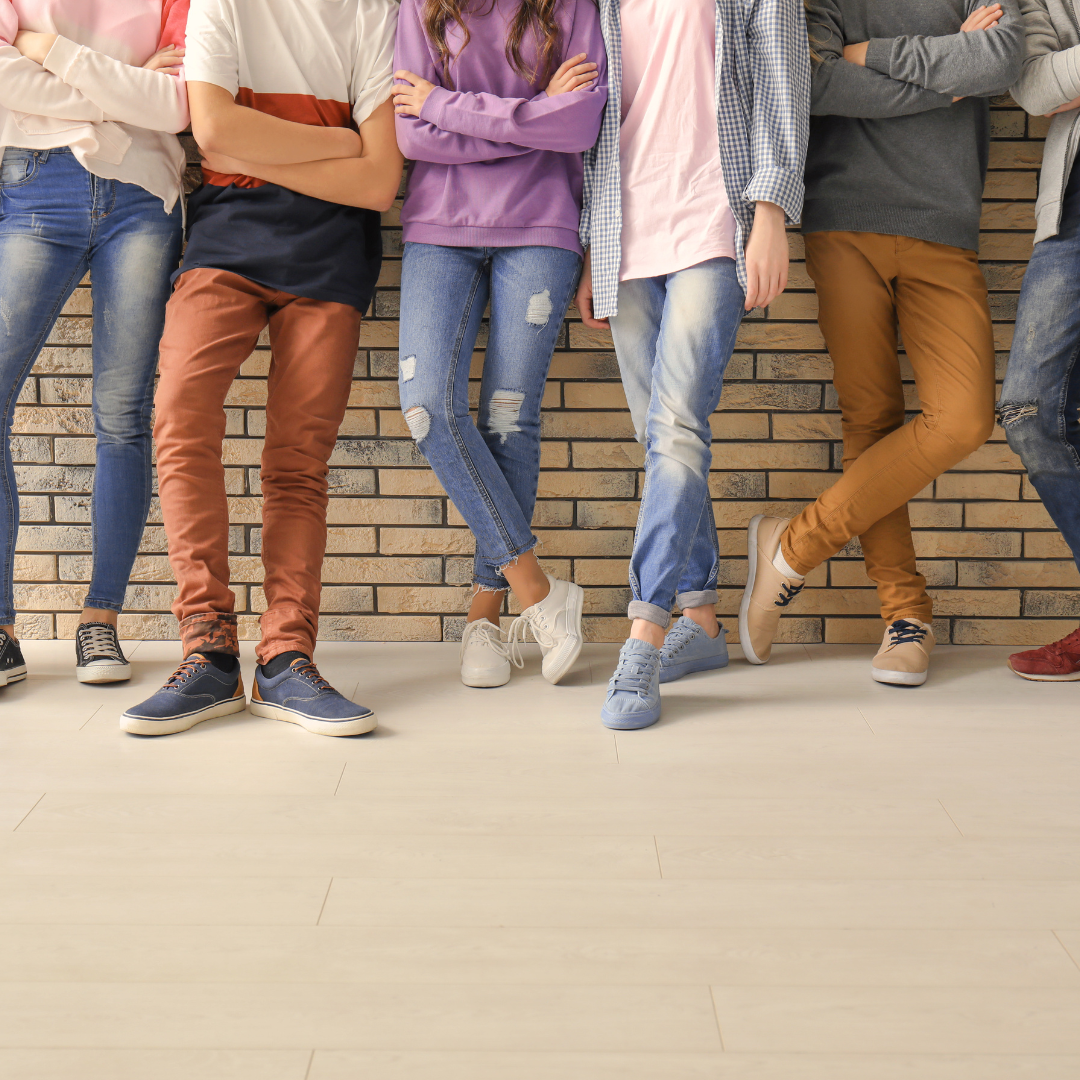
pixel 674 336
pixel 489 469
pixel 56 222
pixel 1040 400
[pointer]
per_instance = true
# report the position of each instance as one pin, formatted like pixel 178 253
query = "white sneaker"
pixel 485 657
pixel 556 625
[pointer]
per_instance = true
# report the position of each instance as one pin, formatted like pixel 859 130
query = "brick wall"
pixel 398 563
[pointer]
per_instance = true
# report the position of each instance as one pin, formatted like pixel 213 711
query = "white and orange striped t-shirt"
pixel 328 63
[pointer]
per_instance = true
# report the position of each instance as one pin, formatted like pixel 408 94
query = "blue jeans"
pixel 489 469
pixel 56 222
pixel 1040 399
pixel 674 336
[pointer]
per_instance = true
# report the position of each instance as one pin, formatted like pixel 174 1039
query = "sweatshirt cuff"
pixel 879 55
pixel 62 56
pixel 432 109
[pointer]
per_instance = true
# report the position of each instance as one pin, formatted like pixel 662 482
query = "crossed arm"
pixel 334 164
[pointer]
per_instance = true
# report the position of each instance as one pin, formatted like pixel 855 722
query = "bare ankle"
pixel 705 617
pixel 486 604
pixel 643 630
pixel 93 614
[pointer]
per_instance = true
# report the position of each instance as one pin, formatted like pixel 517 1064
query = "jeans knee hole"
pixel 504 411
pixel 538 311
pixel 419 421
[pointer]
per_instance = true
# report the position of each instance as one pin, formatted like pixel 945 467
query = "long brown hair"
pixel 537 15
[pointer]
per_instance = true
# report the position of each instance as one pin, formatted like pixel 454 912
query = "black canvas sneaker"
pixel 12 664
pixel 98 656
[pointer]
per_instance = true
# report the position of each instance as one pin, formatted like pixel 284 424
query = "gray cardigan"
pixel 1051 77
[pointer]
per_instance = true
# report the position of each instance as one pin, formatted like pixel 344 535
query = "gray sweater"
pixel 1051 79
pixel 889 150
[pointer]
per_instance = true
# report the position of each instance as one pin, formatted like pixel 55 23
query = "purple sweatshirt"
pixel 497 164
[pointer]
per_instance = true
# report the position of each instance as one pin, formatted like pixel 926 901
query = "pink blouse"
pixel 675 206
pixel 92 93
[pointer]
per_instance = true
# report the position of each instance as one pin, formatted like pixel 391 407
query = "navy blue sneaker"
pixel 300 695
pixel 12 662
pixel 688 648
pixel 633 697
pixel 194 692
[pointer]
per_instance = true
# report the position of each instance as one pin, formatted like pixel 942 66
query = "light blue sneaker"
pixel 688 648
pixel 633 697
pixel 194 692
pixel 300 695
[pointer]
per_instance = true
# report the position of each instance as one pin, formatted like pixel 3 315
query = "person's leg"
pixel 853 274
pixel 313 347
pixel 1040 406
pixel 39 269
pixel 530 291
pixel 136 248
pixel 689 320
pixel 212 323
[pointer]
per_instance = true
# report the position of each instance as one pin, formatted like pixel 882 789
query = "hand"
pixel 169 60
pixel 409 100
pixel 583 299
pixel 34 46
pixel 1067 107
pixel 572 75
pixel 856 54
pixel 983 18
pixel 766 256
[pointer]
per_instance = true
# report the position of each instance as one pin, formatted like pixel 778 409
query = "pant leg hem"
pixel 924 616
pixel 639 609
pixel 210 631
pixel 702 598
pixel 105 605
pixel 796 564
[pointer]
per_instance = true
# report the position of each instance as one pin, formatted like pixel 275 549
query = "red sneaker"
pixel 1059 662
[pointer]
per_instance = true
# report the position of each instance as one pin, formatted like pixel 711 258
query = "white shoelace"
pixel 98 643
pixel 517 636
pixel 492 639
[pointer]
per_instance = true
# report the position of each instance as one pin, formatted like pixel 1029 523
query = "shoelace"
pixel 492 637
pixel 903 632
pixel 184 672
pixel 634 674
pixel 787 594
pixel 678 637
pixel 517 636
pixel 98 643
pixel 310 672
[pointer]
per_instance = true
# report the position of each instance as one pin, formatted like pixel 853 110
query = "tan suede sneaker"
pixel 904 656
pixel 767 591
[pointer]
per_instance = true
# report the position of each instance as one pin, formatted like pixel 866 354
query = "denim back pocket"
pixel 18 166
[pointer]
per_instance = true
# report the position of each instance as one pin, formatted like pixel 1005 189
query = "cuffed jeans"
pixel 1040 401
pixel 489 469
pixel 674 336
pixel 56 222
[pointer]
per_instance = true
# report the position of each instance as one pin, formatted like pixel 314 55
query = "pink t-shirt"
pixel 674 203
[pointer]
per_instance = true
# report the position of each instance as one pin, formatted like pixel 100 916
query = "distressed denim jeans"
pixel 56 222
pixel 674 336
pixel 1040 400
pixel 489 469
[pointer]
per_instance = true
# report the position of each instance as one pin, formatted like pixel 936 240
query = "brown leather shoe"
pixel 767 591
pixel 904 656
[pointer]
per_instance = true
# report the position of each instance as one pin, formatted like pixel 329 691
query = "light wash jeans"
pixel 674 336
pixel 1040 400
pixel 56 222
pixel 489 469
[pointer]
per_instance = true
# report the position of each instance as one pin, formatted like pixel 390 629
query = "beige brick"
pixel 798 427
pixel 781 336
pixel 866 631
pixel 737 425
pixel 373 394
pixel 733 455
pixel 605 395
pixel 992 457
pixel 1049 604
pixel 974 602
pixel 1045 545
pixel 737 485
pixel 794 305
pixel 978 486
pixel 345 541
pixel 601 571
pixel 35 568
pixel 1025 633
pixel 800 485
pixel 795 396
pixel 936 515
pixel 1019 574
pixel 587 485
pixel 957 544
pixel 396 600
pixel 588 425
pixel 1007 515
pixel 334 598
pixel 377 571
pixel 607 515
pixel 794 366
pixel 372 511
pixel 612 455
pixel 409 482
pixel 34 627
pixel 599 542
pixel 426 541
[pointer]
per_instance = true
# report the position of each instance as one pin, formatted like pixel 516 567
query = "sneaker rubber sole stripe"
pixel 898 678
pixel 566 656
pixel 1073 676
pixel 144 725
pixel 353 725
pixel 103 673
pixel 15 674
pixel 744 606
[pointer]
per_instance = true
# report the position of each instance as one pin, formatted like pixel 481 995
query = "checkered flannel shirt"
pixel 762 96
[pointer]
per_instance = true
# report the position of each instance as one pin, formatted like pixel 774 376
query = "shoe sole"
pixel 570 650
pixel 677 671
pixel 744 606
pixel 1074 677
pixel 481 681
pixel 141 725
pixel 106 673
pixel 16 674
pixel 898 678
pixel 357 725
pixel 630 723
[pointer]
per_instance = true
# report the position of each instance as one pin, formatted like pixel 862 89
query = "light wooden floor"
pixel 797 875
